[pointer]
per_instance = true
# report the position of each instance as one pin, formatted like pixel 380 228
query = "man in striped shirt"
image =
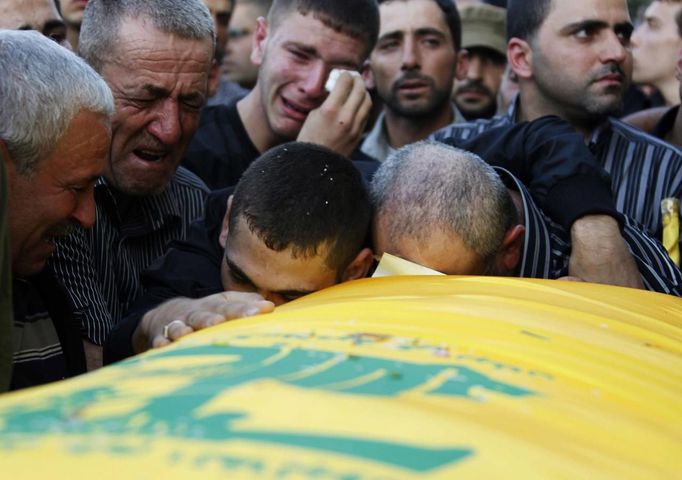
pixel 155 55
pixel 573 60
pixel 476 220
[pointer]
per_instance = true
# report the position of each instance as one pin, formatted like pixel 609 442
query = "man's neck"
pixel 675 135
pixel 72 35
pixel 403 130
pixel 532 106
pixel 252 113
pixel 670 89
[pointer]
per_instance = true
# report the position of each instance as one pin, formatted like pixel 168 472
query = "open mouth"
pixel 149 155
pixel 298 112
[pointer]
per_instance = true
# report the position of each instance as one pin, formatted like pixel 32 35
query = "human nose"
pixel 635 38
pixel 84 213
pixel 475 68
pixel 166 125
pixel 613 49
pixel 275 298
pixel 314 80
pixel 410 55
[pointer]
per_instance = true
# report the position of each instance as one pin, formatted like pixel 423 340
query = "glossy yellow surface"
pixel 409 377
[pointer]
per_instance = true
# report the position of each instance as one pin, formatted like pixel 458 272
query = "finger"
pixel 177 329
pixel 249 302
pixel 160 341
pixel 233 296
pixel 202 319
pixel 363 114
pixel 355 98
pixel 234 310
pixel 339 94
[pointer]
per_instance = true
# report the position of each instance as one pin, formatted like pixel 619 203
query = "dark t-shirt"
pixel 221 149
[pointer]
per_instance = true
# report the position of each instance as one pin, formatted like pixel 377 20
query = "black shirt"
pixel 666 123
pixel 190 268
pixel 547 154
pixel 221 149
pixel 47 337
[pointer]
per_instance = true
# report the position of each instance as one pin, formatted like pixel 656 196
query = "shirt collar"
pixel 376 142
pixel 141 214
pixel 536 261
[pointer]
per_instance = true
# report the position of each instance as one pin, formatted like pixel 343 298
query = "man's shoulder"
pixel 636 136
pixel 463 131
pixel 186 181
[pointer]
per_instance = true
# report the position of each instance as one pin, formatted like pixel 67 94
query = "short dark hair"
pixel 304 196
pixel 355 18
pixel 452 19
pixel 678 19
pixel 524 17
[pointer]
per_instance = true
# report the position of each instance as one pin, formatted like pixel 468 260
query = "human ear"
pixel 368 76
pixel 359 267
pixel 213 78
pixel 462 64
pixel 520 56
pixel 509 255
pixel 224 229
pixel 259 41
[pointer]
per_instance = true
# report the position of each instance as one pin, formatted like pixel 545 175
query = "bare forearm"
pixel 600 255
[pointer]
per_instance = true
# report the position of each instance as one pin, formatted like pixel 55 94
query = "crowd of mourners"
pixel 166 165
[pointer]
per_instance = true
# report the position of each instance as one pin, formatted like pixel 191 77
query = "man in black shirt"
pixel 297 223
pixel 295 48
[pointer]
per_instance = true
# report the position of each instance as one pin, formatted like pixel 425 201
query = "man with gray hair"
pixel 55 131
pixel 446 209
pixel 155 55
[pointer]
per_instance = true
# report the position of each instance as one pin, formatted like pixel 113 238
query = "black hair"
pixel 452 19
pixel 678 20
pixel 524 17
pixel 304 196
pixel 356 18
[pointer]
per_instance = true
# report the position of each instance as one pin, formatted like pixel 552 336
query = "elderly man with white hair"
pixel 55 131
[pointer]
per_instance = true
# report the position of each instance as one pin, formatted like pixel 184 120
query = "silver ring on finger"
pixel 168 326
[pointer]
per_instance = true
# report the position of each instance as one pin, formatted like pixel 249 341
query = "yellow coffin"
pixel 390 378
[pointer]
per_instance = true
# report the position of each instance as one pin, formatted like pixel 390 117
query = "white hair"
pixel 428 185
pixel 102 19
pixel 42 88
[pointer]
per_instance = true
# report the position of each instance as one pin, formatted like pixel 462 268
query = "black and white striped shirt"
pixel 644 170
pixel 547 247
pixel 101 267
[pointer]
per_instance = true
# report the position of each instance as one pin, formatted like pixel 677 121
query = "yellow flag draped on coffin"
pixel 390 378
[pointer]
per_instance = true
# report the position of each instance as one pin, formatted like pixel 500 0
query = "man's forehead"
pixel 33 14
pixel 307 29
pixel 276 271
pixel 218 6
pixel 422 13
pixel 664 11
pixel 564 12
pixel 138 40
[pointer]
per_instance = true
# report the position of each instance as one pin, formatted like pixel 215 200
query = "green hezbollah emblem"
pixel 177 413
